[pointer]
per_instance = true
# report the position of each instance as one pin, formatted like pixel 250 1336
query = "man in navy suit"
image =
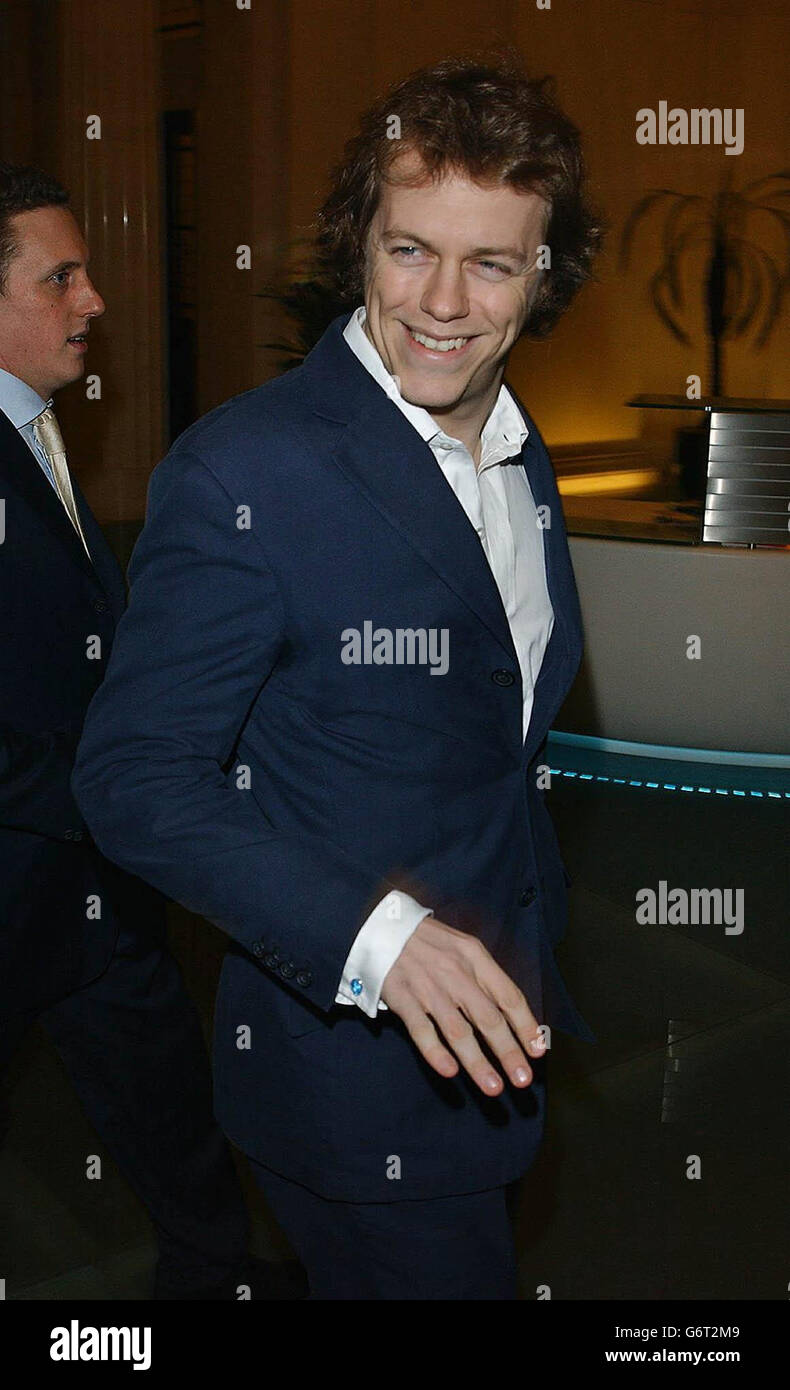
pixel 352 620
pixel 82 944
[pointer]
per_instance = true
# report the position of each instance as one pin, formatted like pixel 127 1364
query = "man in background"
pixel 82 944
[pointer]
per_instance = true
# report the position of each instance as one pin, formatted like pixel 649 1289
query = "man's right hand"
pixel 445 979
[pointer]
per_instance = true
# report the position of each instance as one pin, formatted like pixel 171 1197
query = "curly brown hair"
pixel 491 123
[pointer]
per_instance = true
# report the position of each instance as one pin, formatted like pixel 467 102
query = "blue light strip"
pixel 651 767
pixel 667 786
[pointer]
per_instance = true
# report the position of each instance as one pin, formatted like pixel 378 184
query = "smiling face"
pixel 449 279
pixel 48 301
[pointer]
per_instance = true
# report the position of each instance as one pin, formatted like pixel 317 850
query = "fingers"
pixel 424 1036
pixel 458 1025
pixel 503 1022
pixel 511 1006
pixel 457 1029
pixel 449 977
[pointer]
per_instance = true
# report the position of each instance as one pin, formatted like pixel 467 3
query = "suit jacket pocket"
pixel 302 1017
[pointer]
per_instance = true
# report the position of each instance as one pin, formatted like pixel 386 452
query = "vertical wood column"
pixel 107 59
pixel 242 190
pixel 16 87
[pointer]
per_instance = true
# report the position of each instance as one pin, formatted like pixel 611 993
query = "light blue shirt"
pixel 22 405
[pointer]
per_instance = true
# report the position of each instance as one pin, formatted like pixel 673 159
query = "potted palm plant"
pixel 311 304
pixel 744 283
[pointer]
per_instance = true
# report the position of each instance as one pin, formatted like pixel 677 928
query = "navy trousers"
pixel 132 1044
pixel 443 1248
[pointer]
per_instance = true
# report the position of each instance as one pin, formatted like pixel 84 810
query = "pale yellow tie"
pixel 49 438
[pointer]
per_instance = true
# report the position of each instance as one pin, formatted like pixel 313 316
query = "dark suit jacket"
pixel 52 599
pixel 361 777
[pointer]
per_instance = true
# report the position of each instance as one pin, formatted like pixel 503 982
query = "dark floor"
pixel 692 1058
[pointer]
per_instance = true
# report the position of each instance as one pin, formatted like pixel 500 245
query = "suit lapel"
pixel 395 469
pixel 23 475
pixel 105 567
pixel 556 653
pixel 381 453
pixel 565 644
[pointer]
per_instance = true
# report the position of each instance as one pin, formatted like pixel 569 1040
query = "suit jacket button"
pixel 503 677
pixel 304 978
pixel 527 897
pixel 270 959
pixel 257 948
pixel 100 605
pixel 287 969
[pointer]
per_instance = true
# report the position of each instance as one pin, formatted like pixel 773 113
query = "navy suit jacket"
pixel 235 761
pixel 52 600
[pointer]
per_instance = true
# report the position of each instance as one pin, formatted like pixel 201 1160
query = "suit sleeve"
pixel 202 632
pixel 377 946
pixel 35 775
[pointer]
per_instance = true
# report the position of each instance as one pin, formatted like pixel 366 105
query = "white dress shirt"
pixel 498 502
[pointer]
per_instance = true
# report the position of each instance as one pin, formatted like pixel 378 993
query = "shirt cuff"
pixel 377 945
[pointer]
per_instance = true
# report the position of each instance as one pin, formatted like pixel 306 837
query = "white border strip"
pixel 657 750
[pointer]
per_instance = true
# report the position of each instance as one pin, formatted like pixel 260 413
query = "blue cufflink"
pixel 356 987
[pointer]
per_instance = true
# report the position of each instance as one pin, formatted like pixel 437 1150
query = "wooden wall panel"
pixel 107 67
pixel 242 130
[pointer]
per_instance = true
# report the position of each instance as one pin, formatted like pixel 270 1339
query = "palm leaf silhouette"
pixel 744 284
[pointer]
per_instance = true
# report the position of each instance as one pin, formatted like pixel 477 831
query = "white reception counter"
pixel 645 679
